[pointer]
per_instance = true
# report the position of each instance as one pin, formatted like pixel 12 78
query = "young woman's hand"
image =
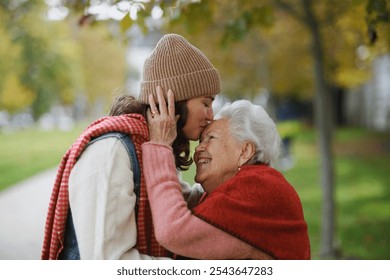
pixel 162 121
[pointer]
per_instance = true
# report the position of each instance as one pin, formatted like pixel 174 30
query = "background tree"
pixel 44 64
pixel 13 95
pixel 47 62
pixel 103 63
pixel 298 47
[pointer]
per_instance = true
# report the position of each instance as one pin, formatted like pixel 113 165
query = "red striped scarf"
pixel 133 125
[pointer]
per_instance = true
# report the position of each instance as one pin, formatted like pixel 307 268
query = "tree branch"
pixel 287 7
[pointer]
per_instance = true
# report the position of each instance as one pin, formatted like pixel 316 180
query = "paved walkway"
pixel 23 210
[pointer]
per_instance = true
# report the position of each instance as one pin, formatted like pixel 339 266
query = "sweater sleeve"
pixel 176 228
pixel 102 202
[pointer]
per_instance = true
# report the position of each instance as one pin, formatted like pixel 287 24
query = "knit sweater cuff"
pixel 158 163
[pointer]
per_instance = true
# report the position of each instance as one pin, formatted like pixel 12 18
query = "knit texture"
pixel 177 65
pixel 261 208
pixel 176 228
pixel 133 125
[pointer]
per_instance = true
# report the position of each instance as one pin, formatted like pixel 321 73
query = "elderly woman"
pixel 244 196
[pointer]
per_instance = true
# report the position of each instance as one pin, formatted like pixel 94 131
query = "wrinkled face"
pixel 200 113
pixel 217 155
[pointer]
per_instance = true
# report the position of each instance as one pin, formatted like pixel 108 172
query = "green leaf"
pixel 126 23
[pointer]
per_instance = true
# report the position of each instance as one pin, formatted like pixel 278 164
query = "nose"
pixel 210 114
pixel 199 148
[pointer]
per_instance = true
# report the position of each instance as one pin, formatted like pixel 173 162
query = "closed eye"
pixel 207 102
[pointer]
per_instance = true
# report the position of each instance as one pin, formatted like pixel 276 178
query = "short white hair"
pixel 250 122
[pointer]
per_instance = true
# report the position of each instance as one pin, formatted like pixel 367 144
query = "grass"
pixel 363 196
pixel 362 193
pixel 28 152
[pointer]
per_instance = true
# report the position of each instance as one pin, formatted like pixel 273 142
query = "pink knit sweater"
pixel 176 228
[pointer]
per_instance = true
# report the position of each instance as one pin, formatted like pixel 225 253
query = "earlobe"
pixel 247 152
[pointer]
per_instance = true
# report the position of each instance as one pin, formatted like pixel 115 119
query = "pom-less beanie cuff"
pixel 184 87
pixel 177 65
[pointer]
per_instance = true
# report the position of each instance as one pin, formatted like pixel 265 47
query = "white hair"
pixel 250 122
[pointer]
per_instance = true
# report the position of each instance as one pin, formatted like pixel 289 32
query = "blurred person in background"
pixel 289 125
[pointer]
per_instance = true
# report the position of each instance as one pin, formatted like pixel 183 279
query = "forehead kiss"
pixel 216 130
pixel 208 128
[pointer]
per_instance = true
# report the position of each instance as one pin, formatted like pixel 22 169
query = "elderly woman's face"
pixel 217 155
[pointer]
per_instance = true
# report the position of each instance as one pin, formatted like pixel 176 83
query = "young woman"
pixel 96 210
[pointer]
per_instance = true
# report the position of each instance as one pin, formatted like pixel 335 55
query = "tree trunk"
pixel 324 122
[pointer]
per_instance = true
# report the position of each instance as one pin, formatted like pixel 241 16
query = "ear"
pixel 248 150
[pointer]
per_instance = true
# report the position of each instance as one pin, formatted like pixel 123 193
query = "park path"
pixel 23 210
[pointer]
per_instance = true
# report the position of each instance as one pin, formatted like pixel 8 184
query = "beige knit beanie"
pixel 176 64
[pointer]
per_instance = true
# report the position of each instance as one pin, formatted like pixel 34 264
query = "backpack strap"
pixel 130 148
pixel 129 145
pixel 71 249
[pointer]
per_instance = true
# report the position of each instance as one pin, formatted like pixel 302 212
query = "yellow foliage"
pixel 279 57
pixel 342 39
pixel 9 53
pixel 67 96
pixel 103 62
pixel 14 96
pixel 349 78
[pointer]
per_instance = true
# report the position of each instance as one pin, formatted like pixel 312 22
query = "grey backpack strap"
pixel 130 148
pixel 135 165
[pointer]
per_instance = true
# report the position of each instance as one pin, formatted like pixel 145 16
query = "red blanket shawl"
pixel 261 208
pixel 133 125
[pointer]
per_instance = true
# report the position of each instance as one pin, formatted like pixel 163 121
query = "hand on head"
pixel 162 120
